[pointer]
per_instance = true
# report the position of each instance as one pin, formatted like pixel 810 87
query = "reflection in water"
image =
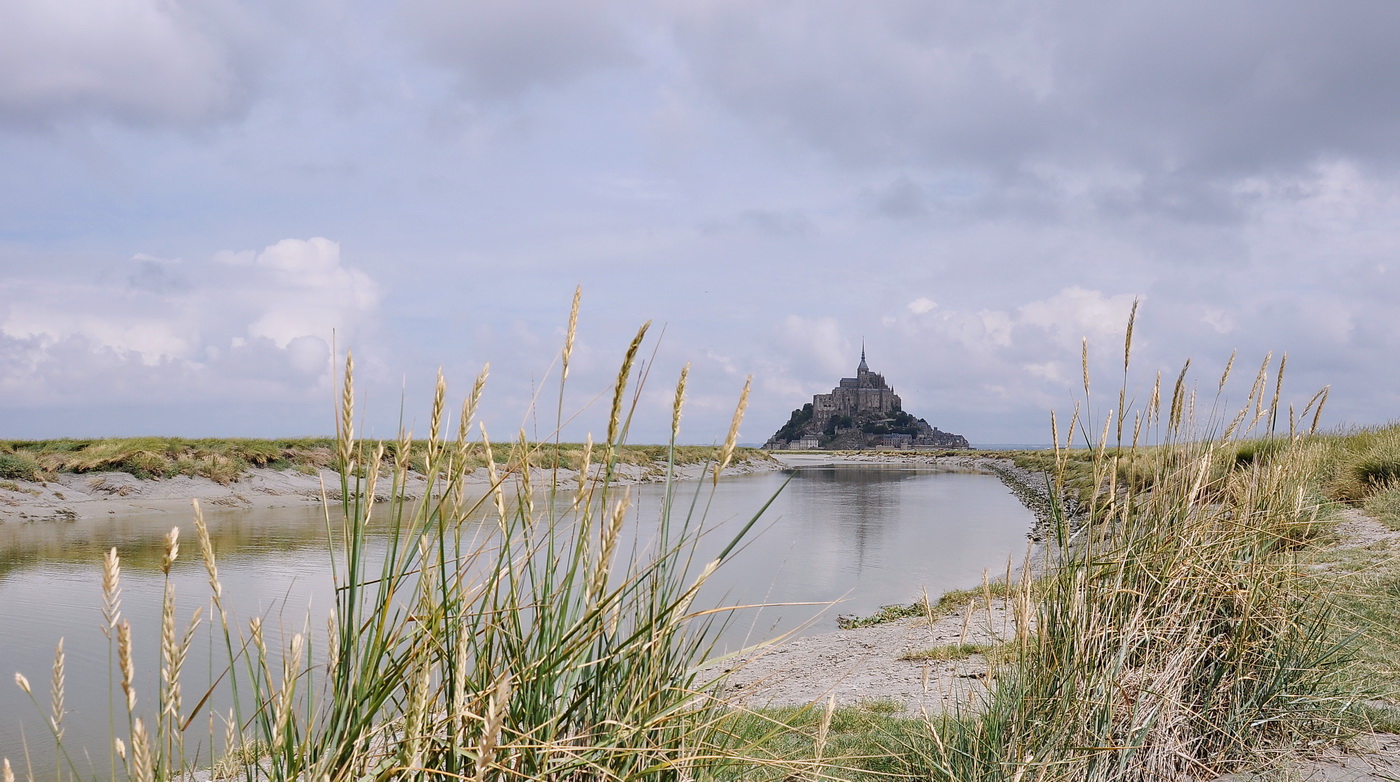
pixel 856 536
pixel 857 500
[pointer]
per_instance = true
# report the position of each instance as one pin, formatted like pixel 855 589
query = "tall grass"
pixel 546 648
pixel 1175 634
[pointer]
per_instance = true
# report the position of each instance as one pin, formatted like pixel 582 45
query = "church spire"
pixel 862 367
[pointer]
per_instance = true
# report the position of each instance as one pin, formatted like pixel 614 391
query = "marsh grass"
pixel 994 653
pixel 1176 633
pixel 227 460
pixel 545 649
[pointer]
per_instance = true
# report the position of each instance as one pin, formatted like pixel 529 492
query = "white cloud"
pixel 171 328
pixel 921 305
pixel 142 61
pixel 817 343
pixel 1075 313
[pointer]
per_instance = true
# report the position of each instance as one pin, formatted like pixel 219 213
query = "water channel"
pixel 851 537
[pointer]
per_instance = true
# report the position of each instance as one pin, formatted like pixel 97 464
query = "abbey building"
pixel 860 412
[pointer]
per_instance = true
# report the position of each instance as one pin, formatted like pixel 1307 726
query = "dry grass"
pixel 548 650
pixel 227 460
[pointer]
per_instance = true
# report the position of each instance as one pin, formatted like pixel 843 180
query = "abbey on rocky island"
pixel 861 412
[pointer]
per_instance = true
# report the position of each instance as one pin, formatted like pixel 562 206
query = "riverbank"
pixel 94 494
pixel 88 495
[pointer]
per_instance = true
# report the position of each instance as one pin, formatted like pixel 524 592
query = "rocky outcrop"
pixel 861 412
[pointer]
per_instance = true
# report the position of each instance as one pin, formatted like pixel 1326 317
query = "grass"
pixel 1178 634
pixel 226 460
pixel 1188 623
pixel 960 651
pixel 551 649
pixel 867 741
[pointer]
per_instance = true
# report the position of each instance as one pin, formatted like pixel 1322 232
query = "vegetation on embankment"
pixel 1202 614
pixel 225 460
pixel 1181 629
pixel 1358 468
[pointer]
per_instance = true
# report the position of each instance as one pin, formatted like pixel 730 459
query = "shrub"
pixel 20 467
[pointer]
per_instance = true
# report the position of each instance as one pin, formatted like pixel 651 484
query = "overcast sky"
pixel 198 193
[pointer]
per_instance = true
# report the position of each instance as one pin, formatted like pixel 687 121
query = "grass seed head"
pixel 127 665
pixel 172 550
pixel 727 452
pixel 345 436
pixel 679 402
pixel 569 335
pixel 56 692
pixel 111 591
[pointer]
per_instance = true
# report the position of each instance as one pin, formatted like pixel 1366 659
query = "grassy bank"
pixel 550 649
pixel 1197 617
pixel 1191 621
pixel 225 460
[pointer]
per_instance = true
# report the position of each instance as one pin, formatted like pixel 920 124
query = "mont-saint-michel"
pixel 860 412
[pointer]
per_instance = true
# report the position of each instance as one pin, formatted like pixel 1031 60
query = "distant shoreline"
pixel 91 495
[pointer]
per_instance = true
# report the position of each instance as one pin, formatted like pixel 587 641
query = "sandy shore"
pixel 101 494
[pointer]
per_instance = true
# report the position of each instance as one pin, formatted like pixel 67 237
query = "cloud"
pixel 502 51
pixel 1154 104
pixel 901 199
pixel 142 62
pixel 240 323
pixel 762 222
pixel 308 289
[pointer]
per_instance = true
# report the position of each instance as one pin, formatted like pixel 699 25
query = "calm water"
pixel 856 536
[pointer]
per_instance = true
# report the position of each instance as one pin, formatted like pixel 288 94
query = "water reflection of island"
pixel 856 503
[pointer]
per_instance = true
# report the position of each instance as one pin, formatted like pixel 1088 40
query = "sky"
pixel 205 203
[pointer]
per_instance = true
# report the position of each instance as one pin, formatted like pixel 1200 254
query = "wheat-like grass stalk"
pixel 1084 364
pixel 1127 358
pixel 1225 375
pixel 142 762
pixel 619 391
pixel 206 553
pixel 569 336
pixel 111 591
pixel 1319 399
pixel 7 774
pixel 470 406
pixel 527 495
pixel 679 402
pixel 497 494
pixel 345 423
pixel 56 692
pixel 172 550
pixel 491 731
pixel 727 452
pixel 127 664
pixel 1278 391
pixel 435 420
pixel 584 469
pixel 1174 419
pixel 111 614
pixel 403 456
pixel 601 569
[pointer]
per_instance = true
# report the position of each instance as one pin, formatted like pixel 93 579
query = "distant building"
pixel 866 392
pixel 860 412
